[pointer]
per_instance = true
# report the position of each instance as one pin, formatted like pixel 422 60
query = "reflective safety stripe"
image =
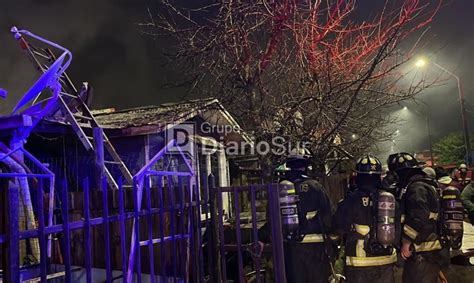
pixel 371 261
pixel 313 238
pixel 360 252
pixel 292 191
pixel 334 237
pixel 402 218
pixel 433 215
pixel 428 246
pixel 410 232
pixel 311 214
pixel 362 229
pixel 450 197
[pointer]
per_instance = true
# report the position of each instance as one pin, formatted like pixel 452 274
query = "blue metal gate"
pixel 156 240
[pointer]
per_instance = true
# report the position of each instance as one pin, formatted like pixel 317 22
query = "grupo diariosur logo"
pixel 183 134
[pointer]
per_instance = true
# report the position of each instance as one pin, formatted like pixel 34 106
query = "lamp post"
pixel 467 145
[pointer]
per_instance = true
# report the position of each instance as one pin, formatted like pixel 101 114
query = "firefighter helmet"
pixel 462 167
pixel 402 160
pixel 369 164
pixel 430 172
pixel 300 153
pixel 298 158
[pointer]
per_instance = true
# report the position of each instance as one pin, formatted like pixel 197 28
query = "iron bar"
pixel 137 256
pixel 182 247
pixel 255 231
pixel 238 235
pixel 150 230
pixel 277 237
pixel 105 214
pixel 197 211
pixel 123 247
pixel 66 241
pixel 220 219
pixel 11 258
pixel 41 234
pixel 87 232
pixel 162 228
pixel 170 187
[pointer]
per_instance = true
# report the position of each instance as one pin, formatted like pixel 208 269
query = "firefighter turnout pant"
pixel 420 270
pixel 306 262
pixel 378 274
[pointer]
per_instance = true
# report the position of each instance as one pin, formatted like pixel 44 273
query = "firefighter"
pixel 444 180
pixel 369 243
pixel 307 254
pixel 421 240
pixel 467 197
pixel 463 176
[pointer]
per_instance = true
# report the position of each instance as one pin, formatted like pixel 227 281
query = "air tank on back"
pixel 386 219
pixel 453 214
pixel 289 209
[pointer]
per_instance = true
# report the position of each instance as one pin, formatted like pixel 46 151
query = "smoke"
pixel 125 67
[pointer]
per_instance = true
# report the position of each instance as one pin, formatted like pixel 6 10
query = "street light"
pixel 421 63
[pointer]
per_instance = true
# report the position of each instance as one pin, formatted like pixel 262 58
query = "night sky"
pixel 126 69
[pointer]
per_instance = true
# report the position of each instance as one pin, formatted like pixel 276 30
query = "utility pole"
pixel 467 142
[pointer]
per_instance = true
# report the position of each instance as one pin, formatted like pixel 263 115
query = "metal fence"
pixel 249 243
pixel 158 230
pixel 166 228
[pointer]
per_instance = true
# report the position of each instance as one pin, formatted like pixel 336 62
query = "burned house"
pixel 92 194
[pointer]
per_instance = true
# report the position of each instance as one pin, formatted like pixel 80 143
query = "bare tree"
pixel 316 71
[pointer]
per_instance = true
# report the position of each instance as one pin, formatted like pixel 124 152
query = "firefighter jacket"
pixel 355 221
pixel 314 211
pixel 463 179
pixel 467 197
pixel 421 220
pixel 446 181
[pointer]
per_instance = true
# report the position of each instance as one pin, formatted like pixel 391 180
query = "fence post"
pixel 277 237
pixel 214 259
pixel 11 257
pixel 99 163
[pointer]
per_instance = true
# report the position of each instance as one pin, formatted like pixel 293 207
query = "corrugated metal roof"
pixel 158 115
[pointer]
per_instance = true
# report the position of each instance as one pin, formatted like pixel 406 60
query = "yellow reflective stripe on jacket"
pixel 360 252
pixel 410 232
pixel 334 237
pixel 311 214
pixel 371 261
pixel 433 215
pixel 313 238
pixel 449 197
pixel 428 246
pixel 362 229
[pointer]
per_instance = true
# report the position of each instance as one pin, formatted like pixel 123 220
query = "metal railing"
pixel 166 225
pixel 252 238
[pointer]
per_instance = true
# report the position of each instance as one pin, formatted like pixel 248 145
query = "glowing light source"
pixel 354 136
pixel 3 93
pixel 420 63
pixel 405 108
